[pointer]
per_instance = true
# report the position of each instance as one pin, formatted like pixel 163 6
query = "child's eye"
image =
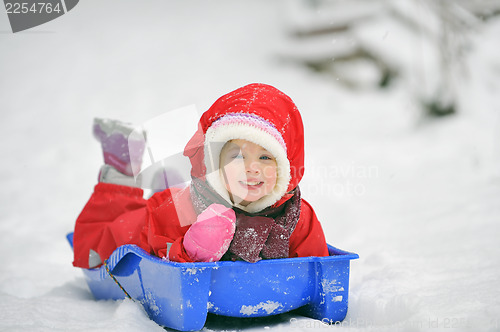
pixel 237 156
pixel 266 157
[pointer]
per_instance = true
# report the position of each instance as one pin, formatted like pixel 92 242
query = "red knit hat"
pixel 260 114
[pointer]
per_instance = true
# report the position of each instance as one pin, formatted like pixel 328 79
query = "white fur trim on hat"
pixel 215 138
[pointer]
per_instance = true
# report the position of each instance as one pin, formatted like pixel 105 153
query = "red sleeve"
pixel 171 215
pixel 177 252
pixel 308 238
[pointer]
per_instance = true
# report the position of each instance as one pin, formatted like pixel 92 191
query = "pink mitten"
pixel 210 236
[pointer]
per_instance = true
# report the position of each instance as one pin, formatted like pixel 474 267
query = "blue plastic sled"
pixel 180 295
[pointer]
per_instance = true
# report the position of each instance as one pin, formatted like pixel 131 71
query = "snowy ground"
pixel 419 201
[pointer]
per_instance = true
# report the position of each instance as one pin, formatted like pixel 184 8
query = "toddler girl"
pixel 243 202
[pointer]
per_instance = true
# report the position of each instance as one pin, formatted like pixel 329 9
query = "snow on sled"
pixel 180 295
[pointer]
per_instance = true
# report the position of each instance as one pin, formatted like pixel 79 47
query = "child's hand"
pixel 210 236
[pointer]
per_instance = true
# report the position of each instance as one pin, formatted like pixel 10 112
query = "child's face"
pixel 247 170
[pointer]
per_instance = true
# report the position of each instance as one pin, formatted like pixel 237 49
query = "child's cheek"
pixel 270 173
pixel 231 172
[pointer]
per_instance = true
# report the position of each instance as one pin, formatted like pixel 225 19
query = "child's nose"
pixel 252 167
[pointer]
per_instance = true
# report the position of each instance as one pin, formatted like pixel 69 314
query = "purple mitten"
pixel 208 239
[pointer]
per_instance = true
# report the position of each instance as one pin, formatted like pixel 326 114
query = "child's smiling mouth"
pixel 252 184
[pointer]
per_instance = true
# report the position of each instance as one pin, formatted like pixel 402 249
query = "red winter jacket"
pixel 117 215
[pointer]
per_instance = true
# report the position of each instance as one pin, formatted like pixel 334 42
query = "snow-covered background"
pixel 417 198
